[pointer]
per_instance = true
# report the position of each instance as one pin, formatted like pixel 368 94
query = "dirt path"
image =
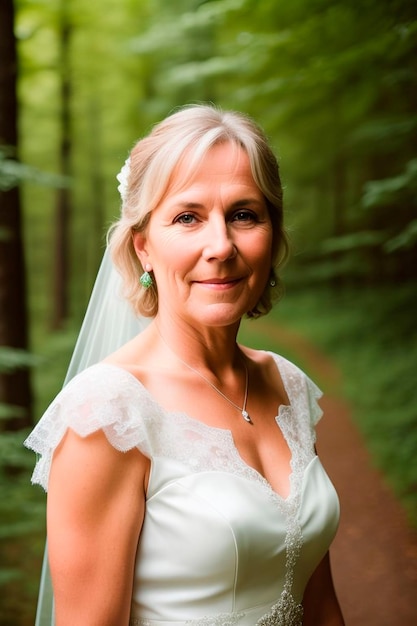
pixel 374 556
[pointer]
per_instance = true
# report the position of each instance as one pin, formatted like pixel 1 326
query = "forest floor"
pixel 374 556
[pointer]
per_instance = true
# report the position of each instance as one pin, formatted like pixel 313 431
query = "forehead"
pixel 223 163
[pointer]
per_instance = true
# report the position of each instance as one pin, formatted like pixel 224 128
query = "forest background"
pixel 333 83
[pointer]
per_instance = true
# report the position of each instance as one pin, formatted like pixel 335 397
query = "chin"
pixel 221 314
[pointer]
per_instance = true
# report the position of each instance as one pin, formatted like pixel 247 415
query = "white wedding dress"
pixel 218 545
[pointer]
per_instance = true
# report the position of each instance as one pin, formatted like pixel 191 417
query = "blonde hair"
pixel 193 129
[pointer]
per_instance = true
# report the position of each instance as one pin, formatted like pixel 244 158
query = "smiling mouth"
pixel 219 282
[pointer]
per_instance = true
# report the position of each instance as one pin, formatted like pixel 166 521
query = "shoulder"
pixel 271 361
pixel 103 386
pixel 102 397
pixel 97 397
pixel 296 379
pixel 302 391
pixel 104 376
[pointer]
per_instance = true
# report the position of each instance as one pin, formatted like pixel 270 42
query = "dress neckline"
pixel 283 411
pixel 281 407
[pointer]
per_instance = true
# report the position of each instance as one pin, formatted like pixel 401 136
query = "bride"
pixel 183 483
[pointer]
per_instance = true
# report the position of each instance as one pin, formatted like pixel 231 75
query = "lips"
pixel 229 281
pixel 219 281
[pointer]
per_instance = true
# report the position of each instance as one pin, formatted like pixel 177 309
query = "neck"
pixel 232 370
pixel 214 349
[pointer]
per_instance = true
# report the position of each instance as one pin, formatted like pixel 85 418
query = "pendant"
pixel 246 417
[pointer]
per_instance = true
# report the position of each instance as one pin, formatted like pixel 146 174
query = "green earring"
pixel 146 280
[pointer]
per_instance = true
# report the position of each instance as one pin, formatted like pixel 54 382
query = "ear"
pixel 139 244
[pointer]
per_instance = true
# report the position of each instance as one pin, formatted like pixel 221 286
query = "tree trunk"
pixel 63 203
pixel 14 387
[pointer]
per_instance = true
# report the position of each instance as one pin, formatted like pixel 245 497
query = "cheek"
pixel 172 263
pixel 261 250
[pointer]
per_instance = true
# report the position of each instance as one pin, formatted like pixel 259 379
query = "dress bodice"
pixel 218 546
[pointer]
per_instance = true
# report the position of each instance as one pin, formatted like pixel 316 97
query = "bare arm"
pixel 321 607
pixel 95 512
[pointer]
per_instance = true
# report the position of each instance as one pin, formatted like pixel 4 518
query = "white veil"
pixel 109 322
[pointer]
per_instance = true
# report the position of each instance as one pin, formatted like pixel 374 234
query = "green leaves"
pixel 12 173
pixel 392 191
pixel 406 239
pixel 14 358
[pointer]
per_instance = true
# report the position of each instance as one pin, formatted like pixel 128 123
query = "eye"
pixel 243 215
pixel 185 218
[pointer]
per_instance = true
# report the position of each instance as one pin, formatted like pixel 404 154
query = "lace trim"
pixel 109 398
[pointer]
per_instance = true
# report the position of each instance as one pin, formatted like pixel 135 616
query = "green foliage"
pixel 351 241
pixel 333 83
pixel 391 190
pixel 406 239
pixel 371 334
pixel 22 506
pixel 15 358
pixel 7 411
pixel 12 173
pixel 22 512
pixel 12 359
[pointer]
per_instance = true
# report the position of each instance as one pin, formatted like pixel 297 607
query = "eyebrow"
pixel 248 201
pixel 244 202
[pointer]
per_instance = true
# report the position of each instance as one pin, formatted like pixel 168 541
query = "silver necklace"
pixel 242 410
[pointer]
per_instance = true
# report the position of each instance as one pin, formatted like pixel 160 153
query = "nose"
pixel 219 244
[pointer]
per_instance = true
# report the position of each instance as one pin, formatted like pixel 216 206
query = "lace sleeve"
pixel 102 397
pixel 314 395
pixel 303 393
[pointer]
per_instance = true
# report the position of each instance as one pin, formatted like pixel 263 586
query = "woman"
pixel 176 494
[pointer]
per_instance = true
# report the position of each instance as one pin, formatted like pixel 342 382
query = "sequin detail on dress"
pixel 286 612
pixel 225 619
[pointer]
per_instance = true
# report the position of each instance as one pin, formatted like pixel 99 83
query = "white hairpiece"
pixel 123 178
